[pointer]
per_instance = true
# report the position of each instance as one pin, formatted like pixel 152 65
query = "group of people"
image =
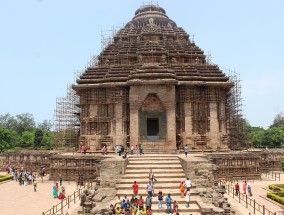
pixel 137 205
pixel 246 188
pixel 23 177
pixel 138 150
pixel 58 190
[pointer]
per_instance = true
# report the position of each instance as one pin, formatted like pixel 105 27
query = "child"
pixel 160 199
pixel 175 206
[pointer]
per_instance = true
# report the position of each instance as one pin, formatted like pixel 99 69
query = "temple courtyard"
pixel 23 200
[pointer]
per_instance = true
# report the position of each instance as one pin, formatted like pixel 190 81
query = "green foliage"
pixel 276 197
pixel 38 138
pixel 21 131
pixel 8 138
pixel 278 120
pixel 5 178
pixel 27 138
pixel 259 137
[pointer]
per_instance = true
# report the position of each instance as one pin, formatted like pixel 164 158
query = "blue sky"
pixel 43 42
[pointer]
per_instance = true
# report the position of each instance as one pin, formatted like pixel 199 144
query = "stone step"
pixel 144 193
pixel 155 156
pixel 143 186
pixel 182 208
pixel 146 180
pixel 150 162
pixel 156 171
pixel 143 158
pixel 162 212
pixel 131 175
pixel 154 166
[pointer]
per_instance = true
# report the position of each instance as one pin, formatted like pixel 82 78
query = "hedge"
pixel 275 197
pixel 5 178
pixel 280 187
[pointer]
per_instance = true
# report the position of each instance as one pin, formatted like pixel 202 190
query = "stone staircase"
pixel 158 147
pixel 168 172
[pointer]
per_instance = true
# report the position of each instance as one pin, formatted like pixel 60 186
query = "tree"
pixel 45 126
pixel 8 121
pixel 278 120
pixel 25 122
pixel 8 138
pixel 27 138
pixel 274 136
pixel 48 140
pixel 38 138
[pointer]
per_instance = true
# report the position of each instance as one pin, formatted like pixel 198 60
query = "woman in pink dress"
pixel 245 187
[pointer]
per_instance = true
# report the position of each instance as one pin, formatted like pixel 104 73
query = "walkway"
pixel 16 199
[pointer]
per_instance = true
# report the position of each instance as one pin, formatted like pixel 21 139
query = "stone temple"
pixel 152 85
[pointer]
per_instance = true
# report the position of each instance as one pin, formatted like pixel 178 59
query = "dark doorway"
pixel 152 126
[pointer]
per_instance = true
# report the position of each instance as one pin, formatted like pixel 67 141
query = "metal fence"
pixel 251 204
pixel 65 203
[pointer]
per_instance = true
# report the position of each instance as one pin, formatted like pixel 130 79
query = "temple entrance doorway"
pixel 153 128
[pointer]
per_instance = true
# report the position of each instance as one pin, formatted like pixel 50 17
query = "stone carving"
pixel 140 58
pixel 164 59
pixel 174 60
pixel 151 21
pixel 107 62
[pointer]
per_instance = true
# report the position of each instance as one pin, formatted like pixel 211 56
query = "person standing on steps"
pixel 150 188
pixel 160 199
pixel 60 180
pixel 169 202
pixel 245 187
pixel 182 189
pixel 187 184
pixel 237 188
pixel 185 150
pixel 187 198
pixel 135 189
pixel 148 202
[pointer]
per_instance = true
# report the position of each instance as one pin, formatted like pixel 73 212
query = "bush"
pixel 275 197
pixel 276 187
pixel 5 178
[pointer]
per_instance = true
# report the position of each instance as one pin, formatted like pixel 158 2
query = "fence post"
pixel 53 209
pixel 254 206
pixel 239 197
pixel 275 176
pixel 68 202
pixel 246 201
pixel 263 210
pixel 74 198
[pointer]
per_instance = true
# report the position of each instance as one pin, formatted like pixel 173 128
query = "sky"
pixel 44 42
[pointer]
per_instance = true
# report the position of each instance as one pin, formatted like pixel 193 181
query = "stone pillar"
pixel 118 124
pixel 188 137
pixel 214 126
pixel 171 124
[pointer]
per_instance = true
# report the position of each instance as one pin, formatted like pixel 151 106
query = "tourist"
pixel 54 191
pixel 249 190
pixel 137 150
pixel 35 185
pixel 127 207
pixel 131 150
pixel 61 196
pixel 141 203
pixel 123 205
pixel 237 188
pixel 185 150
pixel 60 180
pixel 149 211
pixel 245 187
pixel 182 189
pixel 148 202
pixel 187 184
pixel 160 199
pixel 187 198
pixel 150 188
pixel 175 206
pixel 151 175
pixel 141 149
pixel 169 202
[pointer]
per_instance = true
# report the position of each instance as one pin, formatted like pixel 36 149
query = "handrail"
pixel 249 203
pixel 64 202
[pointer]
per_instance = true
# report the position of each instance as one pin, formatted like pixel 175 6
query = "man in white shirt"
pixel 187 184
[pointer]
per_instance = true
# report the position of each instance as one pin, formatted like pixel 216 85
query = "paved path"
pixel 259 190
pixel 16 199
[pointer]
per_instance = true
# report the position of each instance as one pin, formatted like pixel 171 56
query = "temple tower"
pixel 153 84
